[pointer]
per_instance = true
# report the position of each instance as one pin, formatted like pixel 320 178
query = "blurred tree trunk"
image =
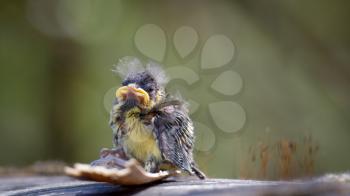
pixel 65 67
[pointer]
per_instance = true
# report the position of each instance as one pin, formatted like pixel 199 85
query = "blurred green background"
pixel 293 57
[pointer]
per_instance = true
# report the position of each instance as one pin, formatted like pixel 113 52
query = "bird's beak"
pixel 131 92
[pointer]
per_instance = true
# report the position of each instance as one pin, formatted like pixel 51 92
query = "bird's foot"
pixel 116 152
pixel 111 158
pixel 151 165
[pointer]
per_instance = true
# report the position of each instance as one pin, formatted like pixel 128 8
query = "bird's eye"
pixel 125 83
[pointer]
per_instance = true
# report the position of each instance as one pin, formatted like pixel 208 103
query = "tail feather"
pixel 198 172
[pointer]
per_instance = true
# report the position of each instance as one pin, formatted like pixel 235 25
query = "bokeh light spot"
pixel 205 137
pixel 228 116
pixel 228 83
pixel 185 40
pixel 150 40
pixel 217 51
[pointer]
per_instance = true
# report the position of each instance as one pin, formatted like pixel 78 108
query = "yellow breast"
pixel 139 141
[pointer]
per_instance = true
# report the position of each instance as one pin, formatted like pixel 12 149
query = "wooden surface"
pixel 59 185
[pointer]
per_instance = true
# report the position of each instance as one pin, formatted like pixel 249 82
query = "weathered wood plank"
pixel 58 185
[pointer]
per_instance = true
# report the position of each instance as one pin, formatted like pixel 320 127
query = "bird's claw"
pixel 116 152
pixel 111 158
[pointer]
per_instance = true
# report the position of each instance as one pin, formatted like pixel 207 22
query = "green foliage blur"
pixel 293 56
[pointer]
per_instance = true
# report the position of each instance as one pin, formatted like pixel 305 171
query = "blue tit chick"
pixel 148 124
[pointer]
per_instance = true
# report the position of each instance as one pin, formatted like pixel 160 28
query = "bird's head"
pixel 142 86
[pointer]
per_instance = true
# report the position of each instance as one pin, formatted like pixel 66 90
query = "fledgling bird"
pixel 147 123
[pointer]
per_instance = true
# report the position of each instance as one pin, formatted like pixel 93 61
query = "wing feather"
pixel 174 132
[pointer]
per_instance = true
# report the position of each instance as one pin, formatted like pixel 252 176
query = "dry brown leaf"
pixel 115 170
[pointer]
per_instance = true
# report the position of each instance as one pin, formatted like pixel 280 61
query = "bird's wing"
pixel 174 131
